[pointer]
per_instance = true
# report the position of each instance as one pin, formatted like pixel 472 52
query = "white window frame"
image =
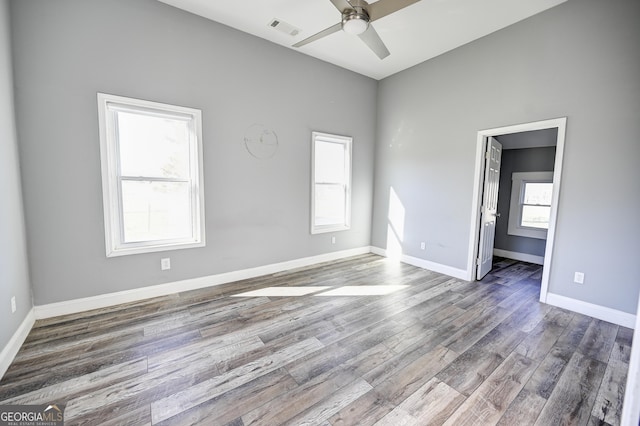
pixel 346 142
pixel 518 182
pixel 108 105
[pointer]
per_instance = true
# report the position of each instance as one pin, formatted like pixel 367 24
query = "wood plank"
pixel 155 385
pixel 542 338
pixel 417 332
pixel 226 407
pixel 326 408
pixel 524 410
pixel 428 309
pixel 621 350
pixel 608 405
pixel 174 404
pixel 364 411
pixel 549 371
pixel 528 316
pixel 599 339
pixel 205 350
pixel 468 335
pixel 393 365
pixel 415 374
pixel 470 369
pixel 575 331
pixel 280 410
pixel 128 413
pixel 433 403
pixel 492 399
pixel 341 351
pixel 572 399
pixel 397 417
pixel 83 384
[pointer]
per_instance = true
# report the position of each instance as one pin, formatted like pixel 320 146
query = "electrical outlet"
pixel 422 245
pixel 13 304
pixel 578 277
pixel 165 264
pixel 333 240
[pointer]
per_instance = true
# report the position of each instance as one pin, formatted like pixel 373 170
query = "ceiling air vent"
pixel 284 27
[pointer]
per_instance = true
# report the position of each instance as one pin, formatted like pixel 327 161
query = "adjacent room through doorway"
pixel 519 171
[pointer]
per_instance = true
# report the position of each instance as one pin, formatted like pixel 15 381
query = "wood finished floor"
pixel 436 351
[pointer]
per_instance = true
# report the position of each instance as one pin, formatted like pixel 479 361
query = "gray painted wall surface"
pixel 580 60
pixel 257 211
pixel 14 268
pixel 519 160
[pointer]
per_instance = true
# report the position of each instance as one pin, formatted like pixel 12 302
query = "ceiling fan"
pixel 357 15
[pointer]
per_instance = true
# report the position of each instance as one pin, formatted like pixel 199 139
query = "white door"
pixel 489 208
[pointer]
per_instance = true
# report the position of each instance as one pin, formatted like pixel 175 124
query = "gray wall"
pixel 14 271
pixel 513 161
pixel 580 60
pixel 257 211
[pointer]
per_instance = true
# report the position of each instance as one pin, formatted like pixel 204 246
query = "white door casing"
pixel 489 207
pixel 472 255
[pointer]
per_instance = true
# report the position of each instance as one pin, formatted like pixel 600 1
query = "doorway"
pixel 481 147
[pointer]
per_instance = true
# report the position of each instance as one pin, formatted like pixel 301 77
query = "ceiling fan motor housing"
pixel 355 21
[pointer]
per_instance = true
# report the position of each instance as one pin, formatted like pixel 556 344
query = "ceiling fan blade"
pixel 382 8
pixel 373 40
pixel 341 5
pixel 335 28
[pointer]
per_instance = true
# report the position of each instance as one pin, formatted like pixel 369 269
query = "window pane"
pixel 155 211
pixel 537 193
pixel 535 216
pixel 330 162
pixel 153 146
pixel 330 204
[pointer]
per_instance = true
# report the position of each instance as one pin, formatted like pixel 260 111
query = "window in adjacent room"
pixel 151 175
pixel 530 208
pixel 331 183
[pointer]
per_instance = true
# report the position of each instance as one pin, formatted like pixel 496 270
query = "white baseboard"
pixel 426 264
pixel 378 251
pixel 111 299
pixel 596 311
pixel 9 352
pixel 523 257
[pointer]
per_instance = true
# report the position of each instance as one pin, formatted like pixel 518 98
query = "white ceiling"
pixel 419 32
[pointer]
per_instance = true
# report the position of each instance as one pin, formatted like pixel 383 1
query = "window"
pixel 530 208
pixel 151 175
pixel 331 186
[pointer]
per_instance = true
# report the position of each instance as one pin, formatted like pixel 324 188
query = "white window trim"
pixel 347 141
pixel 515 209
pixel 115 246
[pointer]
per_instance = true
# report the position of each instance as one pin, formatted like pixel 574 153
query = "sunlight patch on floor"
pixel 349 290
pixel 363 290
pixel 282 291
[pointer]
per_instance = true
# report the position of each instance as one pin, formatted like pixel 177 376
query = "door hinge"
pixel 487 155
pixel 478 262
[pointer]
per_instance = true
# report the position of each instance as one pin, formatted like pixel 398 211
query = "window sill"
pixel 540 234
pixel 329 228
pixel 124 251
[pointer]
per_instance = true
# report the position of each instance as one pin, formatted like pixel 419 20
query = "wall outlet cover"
pixel 165 264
